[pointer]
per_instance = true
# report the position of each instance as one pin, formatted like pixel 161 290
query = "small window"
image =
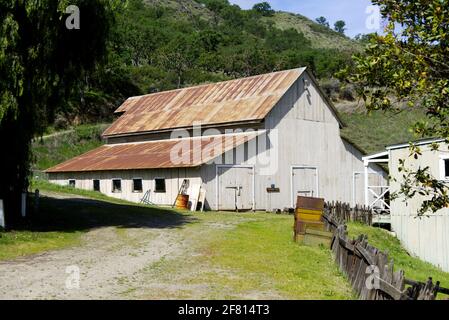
pixel 159 185
pixel 116 185
pixel 72 183
pixel 96 185
pixel 446 168
pixel 137 185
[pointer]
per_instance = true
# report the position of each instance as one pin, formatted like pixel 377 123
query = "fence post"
pixel 36 201
pixel 24 204
pixel 2 215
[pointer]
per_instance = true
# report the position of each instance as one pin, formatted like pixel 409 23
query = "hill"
pixel 318 35
pixel 159 45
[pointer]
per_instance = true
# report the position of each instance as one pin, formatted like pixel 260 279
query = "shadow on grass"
pixel 75 214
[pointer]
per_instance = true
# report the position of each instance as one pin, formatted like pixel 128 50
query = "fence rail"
pixel 370 270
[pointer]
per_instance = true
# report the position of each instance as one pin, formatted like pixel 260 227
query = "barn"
pixel 251 144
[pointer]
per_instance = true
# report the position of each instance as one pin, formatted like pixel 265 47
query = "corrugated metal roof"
pixel 155 154
pixel 224 102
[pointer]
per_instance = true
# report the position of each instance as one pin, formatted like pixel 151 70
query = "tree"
pixel 339 26
pixel 408 66
pixel 179 56
pixel 322 21
pixel 41 63
pixel 263 8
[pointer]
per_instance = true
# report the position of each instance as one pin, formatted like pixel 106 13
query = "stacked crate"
pixel 309 226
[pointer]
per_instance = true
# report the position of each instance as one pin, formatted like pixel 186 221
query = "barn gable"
pixel 240 101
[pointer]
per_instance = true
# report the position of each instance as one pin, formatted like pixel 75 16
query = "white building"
pixel 426 237
pixel 239 139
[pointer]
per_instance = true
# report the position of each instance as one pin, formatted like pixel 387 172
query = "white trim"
pixel 416 143
pixel 217 195
pixel 250 133
pixel 291 181
pixel 366 179
pixel 374 157
pixel 379 197
pixel 442 168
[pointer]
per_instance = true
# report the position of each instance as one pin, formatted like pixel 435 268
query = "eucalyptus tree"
pixel 46 47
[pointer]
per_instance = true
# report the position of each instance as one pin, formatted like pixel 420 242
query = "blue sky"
pixel 353 12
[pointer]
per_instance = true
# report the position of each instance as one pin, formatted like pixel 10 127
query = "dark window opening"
pixel 72 183
pixel 96 185
pixel 446 168
pixel 137 185
pixel 159 185
pixel 116 185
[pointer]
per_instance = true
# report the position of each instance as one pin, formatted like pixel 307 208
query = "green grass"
pixel 262 252
pixel 55 149
pixel 414 268
pixel 19 243
pixel 44 185
pixel 247 256
pixel 372 132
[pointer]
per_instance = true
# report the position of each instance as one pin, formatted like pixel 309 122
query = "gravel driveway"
pixel 106 257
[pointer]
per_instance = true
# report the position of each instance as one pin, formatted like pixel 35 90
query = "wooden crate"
pixel 316 238
pixel 309 215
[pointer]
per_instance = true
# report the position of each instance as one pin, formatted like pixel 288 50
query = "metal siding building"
pixel 296 146
pixel 426 237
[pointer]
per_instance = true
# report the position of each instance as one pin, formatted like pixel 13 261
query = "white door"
pixel 235 188
pixel 304 182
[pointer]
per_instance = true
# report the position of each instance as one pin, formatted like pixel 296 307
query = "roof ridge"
pixel 214 83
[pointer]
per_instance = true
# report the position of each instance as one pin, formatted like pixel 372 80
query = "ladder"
pixel 146 198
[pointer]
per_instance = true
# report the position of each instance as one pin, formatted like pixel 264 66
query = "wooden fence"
pixel 370 270
pixel 345 213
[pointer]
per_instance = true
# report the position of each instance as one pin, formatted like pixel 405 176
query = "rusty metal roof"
pixel 246 99
pixel 155 154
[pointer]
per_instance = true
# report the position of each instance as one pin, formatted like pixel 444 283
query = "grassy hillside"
pixel 372 132
pixel 319 36
pixel 413 267
pixel 60 146
pixel 157 45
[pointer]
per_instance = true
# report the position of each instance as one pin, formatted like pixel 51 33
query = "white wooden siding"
pixel 427 237
pixel 173 181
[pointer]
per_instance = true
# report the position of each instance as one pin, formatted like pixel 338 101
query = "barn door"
pixel 235 188
pixel 304 182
